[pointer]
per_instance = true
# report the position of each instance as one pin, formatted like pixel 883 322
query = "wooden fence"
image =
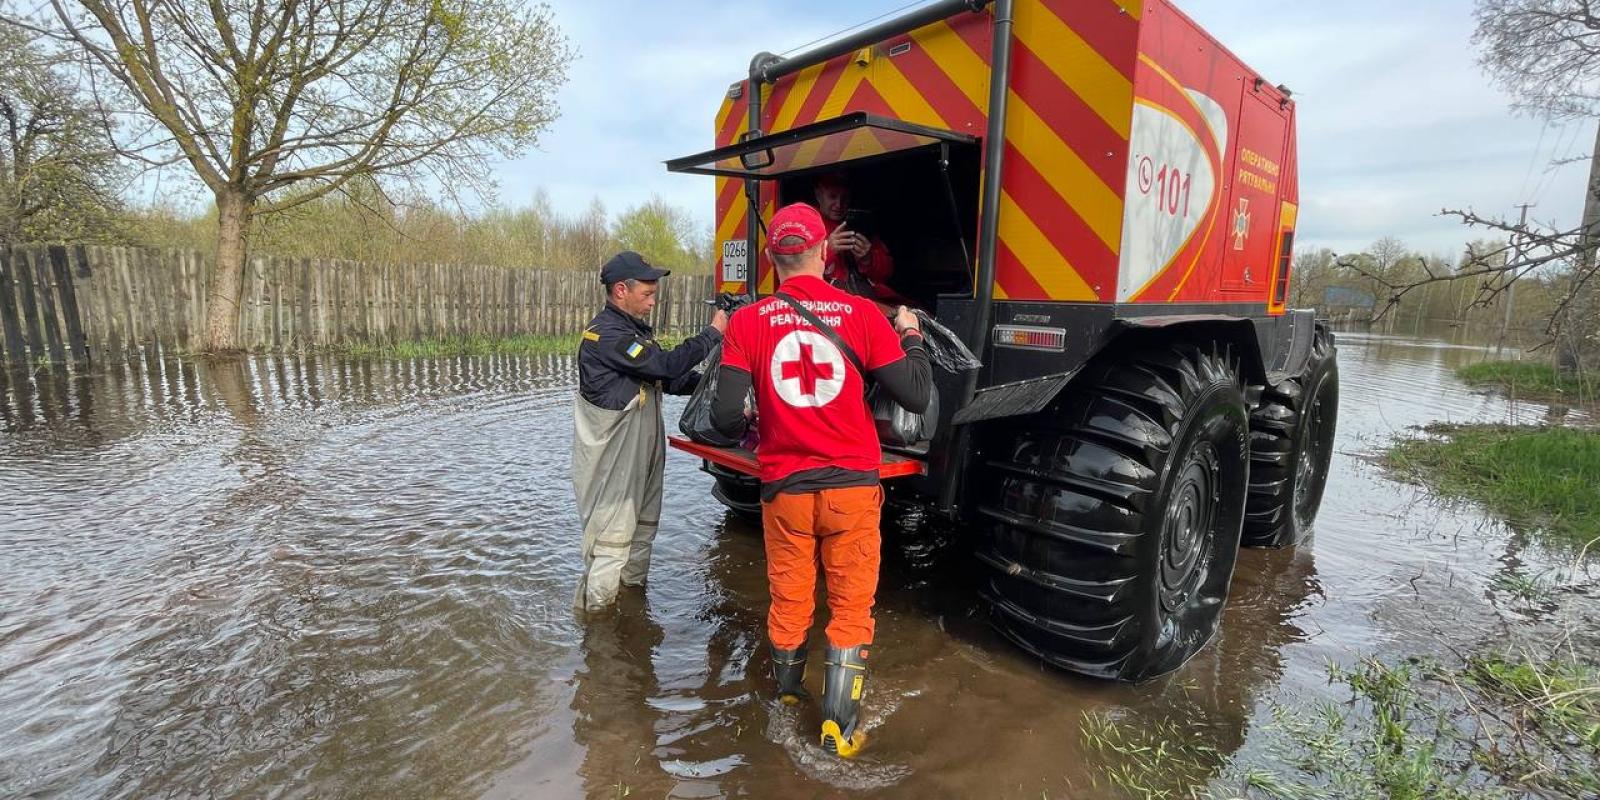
pixel 76 303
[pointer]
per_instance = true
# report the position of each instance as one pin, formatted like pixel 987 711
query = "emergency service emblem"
pixel 1241 224
pixel 807 370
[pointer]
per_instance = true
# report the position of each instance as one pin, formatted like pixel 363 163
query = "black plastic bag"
pixel 899 427
pixel 696 420
pixel 945 348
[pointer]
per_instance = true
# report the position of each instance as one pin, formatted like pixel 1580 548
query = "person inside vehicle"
pixel 857 261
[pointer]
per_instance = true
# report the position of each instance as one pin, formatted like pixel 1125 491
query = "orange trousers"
pixel 840 526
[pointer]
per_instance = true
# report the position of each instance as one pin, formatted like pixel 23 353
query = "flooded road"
pixel 315 578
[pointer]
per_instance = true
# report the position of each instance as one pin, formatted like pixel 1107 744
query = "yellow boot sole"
pixel 834 741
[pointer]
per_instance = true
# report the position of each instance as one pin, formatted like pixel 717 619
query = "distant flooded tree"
pixel 664 234
pixel 1546 55
pixel 1313 272
pixel 278 104
pixel 59 175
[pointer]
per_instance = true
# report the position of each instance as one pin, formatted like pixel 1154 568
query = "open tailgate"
pixel 744 461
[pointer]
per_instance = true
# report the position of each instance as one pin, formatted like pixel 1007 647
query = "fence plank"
pixel 303 321
pixel 49 313
pixel 107 327
pixel 66 292
pixel 10 321
pixel 89 302
pixel 28 295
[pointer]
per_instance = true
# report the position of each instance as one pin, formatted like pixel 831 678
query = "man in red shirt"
pixel 855 262
pixel 819 454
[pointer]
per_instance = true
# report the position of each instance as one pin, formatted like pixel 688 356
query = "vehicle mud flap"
pixel 1012 399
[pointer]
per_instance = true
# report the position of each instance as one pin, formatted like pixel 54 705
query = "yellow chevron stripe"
pixel 804 82
pixel 735 214
pixel 842 92
pixel 1080 186
pixel 1077 64
pixel 722 115
pixel 903 98
pixel 956 58
pixel 1038 256
pixel 733 221
pixel 1135 8
pixel 999 293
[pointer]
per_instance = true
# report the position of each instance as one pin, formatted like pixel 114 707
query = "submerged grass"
pixel 1501 725
pixel 1147 760
pixel 464 346
pixel 528 345
pixel 1532 380
pixel 1533 476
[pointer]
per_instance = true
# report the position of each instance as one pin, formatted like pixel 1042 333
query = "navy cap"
pixel 628 265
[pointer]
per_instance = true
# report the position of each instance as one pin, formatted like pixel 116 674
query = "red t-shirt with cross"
pixel 812 407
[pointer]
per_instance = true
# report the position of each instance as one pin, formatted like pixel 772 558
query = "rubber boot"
pixel 789 670
pixel 841 700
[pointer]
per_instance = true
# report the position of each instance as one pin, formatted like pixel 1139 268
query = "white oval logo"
pixel 807 370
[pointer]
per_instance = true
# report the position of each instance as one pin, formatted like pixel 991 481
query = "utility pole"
pixel 1566 352
pixel 1516 257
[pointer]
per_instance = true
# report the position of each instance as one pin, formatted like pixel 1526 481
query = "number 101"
pixel 1172 190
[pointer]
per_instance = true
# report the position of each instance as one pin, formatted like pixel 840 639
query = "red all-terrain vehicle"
pixel 1101 200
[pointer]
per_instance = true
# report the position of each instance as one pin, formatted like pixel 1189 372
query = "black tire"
pixel 1113 520
pixel 1291 445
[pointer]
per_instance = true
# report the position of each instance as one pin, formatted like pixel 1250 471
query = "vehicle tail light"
pixel 1023 337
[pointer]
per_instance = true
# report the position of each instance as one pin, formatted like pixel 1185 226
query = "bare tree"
pixel 58 173
pixel 277 104
pixel 1546 54
pixel 1493 265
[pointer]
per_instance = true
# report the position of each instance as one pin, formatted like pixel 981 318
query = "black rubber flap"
pixel 1012 399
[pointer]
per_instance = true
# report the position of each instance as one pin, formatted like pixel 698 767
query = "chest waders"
pixel 618 460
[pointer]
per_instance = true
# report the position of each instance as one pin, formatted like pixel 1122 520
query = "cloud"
pixel 1396 119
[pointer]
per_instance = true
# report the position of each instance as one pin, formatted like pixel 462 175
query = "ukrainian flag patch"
pixel 635 350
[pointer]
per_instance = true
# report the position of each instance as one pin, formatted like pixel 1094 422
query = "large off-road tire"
pixel 1113 519
pixel 1291 445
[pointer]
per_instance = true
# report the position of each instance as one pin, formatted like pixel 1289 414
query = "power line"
pixel 1533 157
pixel 1551 170
pixel 856 26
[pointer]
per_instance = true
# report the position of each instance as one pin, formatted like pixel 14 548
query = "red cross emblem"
pixel 807 369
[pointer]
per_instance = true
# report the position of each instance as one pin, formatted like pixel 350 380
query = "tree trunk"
pixel 226 293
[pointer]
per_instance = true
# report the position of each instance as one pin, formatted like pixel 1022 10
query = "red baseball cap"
pixel 798 219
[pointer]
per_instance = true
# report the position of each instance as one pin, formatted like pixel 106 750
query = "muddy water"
pixel 330 578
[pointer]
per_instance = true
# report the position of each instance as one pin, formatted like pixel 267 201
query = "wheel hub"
pixel 1186 529
pixel 1305 472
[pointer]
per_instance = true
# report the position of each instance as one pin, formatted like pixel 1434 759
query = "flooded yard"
pixel 314 578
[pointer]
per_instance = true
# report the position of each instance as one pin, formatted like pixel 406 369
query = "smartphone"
pixel 859 220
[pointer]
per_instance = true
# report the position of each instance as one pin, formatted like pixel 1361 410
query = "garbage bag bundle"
pixel 899 427
pixel 696 420
pixel 945 348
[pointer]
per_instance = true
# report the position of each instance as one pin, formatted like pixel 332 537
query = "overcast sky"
pixel 1396 119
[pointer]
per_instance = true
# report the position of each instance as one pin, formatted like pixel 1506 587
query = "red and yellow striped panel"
pixel 1071 100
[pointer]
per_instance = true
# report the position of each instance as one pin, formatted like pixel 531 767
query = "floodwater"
pixel 325 578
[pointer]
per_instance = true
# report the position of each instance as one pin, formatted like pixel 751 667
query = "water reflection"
pixel 331 577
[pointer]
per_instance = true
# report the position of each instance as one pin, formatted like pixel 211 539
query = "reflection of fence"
pixel 78 303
